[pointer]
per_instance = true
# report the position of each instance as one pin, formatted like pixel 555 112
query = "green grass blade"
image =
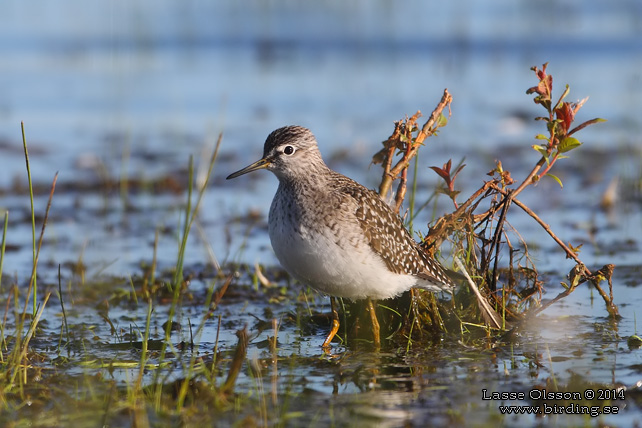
pixel 33 218
pixel 190 215
pixel 4 239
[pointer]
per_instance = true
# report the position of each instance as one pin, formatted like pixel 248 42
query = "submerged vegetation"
pixel 146 363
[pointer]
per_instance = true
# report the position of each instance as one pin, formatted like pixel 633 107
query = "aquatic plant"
pixel 503 295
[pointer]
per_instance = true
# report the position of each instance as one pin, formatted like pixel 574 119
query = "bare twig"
pixel 496 243
pixel 569 253
pixel 438 231
pixel 403 131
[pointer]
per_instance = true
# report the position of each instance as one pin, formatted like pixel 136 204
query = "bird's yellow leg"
pixel 375 324
pixel 335 325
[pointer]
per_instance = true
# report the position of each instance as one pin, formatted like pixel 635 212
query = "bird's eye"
pixel 288 150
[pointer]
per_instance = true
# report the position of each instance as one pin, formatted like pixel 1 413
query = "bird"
pixel 334 234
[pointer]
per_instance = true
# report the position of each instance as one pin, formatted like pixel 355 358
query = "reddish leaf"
pixel 506 178
pixel 443 174
pixel 541 74
pixel 544 88
pixel 457 171
pixel 565 114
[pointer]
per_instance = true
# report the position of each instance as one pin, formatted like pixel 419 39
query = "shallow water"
pixel 112 91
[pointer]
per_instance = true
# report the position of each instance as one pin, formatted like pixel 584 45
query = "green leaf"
pixel 540 149
pixel 556 179
pixel 568 144
pixel 541 137
pixel 443 121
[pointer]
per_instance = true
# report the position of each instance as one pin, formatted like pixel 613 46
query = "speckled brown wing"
pixel 390 240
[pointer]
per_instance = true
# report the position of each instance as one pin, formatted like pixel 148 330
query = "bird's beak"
pixel 260 164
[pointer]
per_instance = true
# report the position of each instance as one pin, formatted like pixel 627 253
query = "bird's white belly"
pixel 354 272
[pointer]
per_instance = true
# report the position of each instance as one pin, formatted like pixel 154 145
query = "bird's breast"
pixel 329 255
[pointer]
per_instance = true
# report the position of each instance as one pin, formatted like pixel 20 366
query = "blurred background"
pixel 132 89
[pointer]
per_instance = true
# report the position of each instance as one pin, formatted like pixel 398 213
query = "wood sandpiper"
pixel 331 233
